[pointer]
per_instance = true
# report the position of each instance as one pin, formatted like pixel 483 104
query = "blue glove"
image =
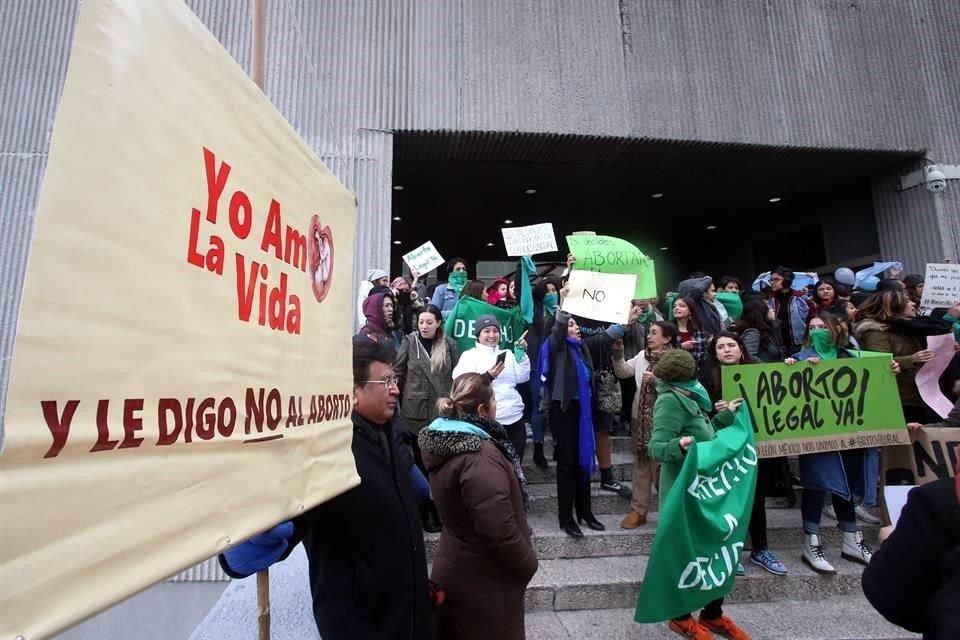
pixel 421 488
pixel 260 551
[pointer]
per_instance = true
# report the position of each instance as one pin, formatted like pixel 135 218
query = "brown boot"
pixel 633 520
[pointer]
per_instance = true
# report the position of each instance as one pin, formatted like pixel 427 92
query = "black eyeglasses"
pixel 390 381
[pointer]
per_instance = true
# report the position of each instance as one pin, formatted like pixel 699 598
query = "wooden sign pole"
pixel 258 36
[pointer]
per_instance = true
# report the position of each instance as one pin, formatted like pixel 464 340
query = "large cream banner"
pixel 182 374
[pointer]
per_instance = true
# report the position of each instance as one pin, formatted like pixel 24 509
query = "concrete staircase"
pixel 587 588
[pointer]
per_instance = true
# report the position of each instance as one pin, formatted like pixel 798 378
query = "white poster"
pixel 941 286
pixel 604 297
pixel 423 259
pixel 529 241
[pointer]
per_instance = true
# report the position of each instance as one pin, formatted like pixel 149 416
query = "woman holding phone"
pixel 505 372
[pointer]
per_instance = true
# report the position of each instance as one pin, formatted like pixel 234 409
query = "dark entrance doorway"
pixel 718 208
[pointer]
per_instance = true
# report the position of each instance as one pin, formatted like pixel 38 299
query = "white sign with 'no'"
pixel 600 296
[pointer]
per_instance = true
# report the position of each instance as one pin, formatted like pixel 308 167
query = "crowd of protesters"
pixel 443 434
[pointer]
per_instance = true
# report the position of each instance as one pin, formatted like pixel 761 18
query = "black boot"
pixel 538 458
pixel 591 521
pixel 429 518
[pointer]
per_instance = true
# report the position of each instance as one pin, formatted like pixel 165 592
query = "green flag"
pixel 703 525
pixel 459 324
pixel 732 303
pixel 527 269
pixel 605 254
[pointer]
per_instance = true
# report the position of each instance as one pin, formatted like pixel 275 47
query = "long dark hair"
pixel 710 374
pixel 755 312
pixel 694 321
pixel 816 293
pixel 474 289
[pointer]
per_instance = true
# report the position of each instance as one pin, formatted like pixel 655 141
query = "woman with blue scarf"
pixel 834 472
pixel 566 396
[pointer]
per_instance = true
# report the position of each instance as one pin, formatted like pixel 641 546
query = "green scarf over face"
pixel 645 314
pixel 457 281
pixel 822 342
pixel 698 393
pixel 550 302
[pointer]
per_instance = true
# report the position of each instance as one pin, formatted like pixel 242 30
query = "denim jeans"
pixel 811 508
pixel 538 421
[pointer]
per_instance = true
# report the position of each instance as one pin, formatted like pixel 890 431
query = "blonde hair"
pixel 440 354
pixel 884 306
pixel 470 391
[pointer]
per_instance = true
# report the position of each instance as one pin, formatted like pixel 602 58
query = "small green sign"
pixel 606 254
pixel 829 406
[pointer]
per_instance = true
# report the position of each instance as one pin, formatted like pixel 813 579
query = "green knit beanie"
pixel 676 365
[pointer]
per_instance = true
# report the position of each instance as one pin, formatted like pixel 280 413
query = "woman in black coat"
pixel 568 387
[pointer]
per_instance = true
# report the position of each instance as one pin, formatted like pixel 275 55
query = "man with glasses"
pixel 368 570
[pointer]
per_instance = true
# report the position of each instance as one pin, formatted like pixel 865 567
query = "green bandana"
pixel 644 315
pixel 698 393
pixel 550 302
pixel 457 281
pixel 822 342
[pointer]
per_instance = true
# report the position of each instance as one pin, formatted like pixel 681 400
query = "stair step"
pixel 619 444
pixel 847 617
pixel 784 533
pixel 543 500
pixel 622 465
pixel 573 584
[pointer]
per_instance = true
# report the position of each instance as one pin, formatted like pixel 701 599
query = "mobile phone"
pixel 502 357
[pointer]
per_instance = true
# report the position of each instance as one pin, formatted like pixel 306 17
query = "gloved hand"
pixel 421 486
pixel 260 551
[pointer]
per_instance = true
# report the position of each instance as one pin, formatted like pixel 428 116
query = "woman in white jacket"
pixel 505 376
pixel 661 337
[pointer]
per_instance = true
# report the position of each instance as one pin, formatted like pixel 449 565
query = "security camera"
pixel 934 178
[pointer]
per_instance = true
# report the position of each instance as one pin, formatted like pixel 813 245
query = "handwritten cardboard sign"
pixel 830 406
pixel 941 286
pixel 529 241
pixel 932 454
pixel 423 259
pixel 605 254
pixel 600 296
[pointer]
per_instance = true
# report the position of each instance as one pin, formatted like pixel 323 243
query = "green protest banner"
pixel 703 525
pixel 459 324
pixel 605 254
pixel 835 405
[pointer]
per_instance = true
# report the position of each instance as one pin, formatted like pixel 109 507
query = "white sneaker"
pixel 813 555
pixel 865 516
pixel 855 549
pixel 829 512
